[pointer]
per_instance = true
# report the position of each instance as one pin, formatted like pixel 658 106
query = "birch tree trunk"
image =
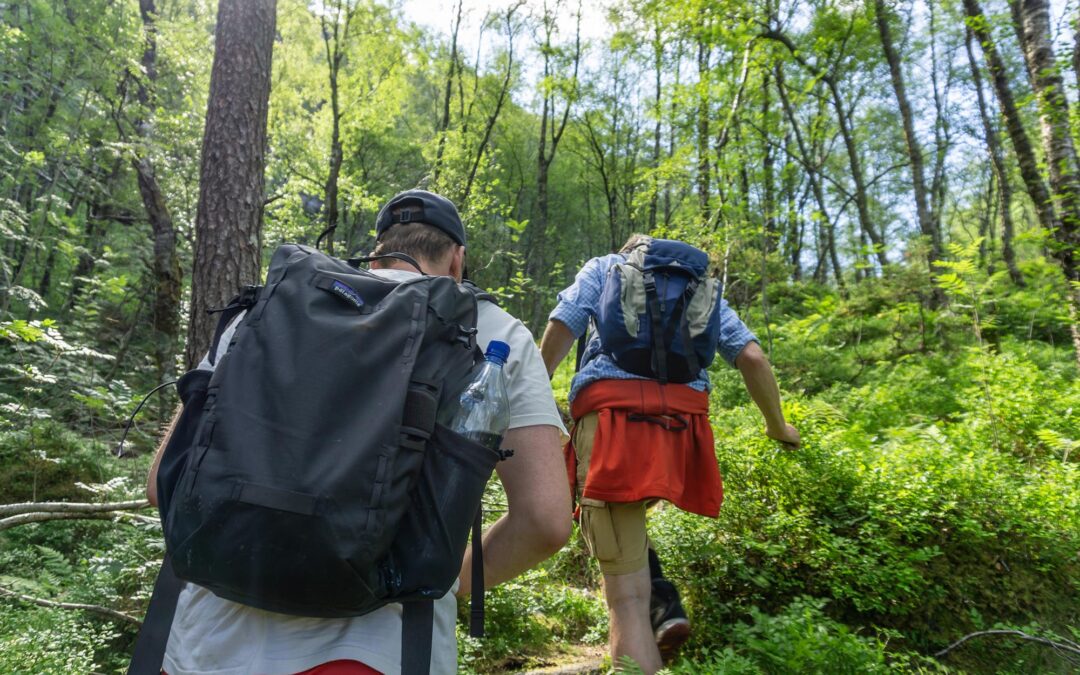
pixel 1036 42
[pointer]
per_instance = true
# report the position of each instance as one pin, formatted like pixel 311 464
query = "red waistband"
pixel 647 397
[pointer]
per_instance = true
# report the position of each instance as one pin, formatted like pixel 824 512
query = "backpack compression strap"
pixel 476 602
pixel 684 327
pixel 655 316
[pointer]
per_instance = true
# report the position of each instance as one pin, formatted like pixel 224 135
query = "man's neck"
pixel 395 264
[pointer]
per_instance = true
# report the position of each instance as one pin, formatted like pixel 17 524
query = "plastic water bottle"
pixel 484 412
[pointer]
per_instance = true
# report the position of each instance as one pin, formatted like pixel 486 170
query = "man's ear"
pixel 457 263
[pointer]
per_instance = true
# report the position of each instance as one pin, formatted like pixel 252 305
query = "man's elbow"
pixel 555 536
pixel 551 532
pixel 751 358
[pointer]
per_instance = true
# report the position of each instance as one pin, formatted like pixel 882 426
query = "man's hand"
pixel 788 435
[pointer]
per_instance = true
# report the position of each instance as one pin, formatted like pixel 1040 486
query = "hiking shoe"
pixel 669 623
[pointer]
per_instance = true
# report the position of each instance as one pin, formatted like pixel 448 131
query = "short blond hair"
pixel 635 240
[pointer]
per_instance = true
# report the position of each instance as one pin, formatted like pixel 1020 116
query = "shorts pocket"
pixel 598 529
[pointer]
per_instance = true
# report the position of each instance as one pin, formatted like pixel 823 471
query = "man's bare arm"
pixel 151 480
pixel 537 523
pixel 761 383
pixel 555 344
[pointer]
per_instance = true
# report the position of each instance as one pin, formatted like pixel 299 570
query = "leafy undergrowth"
pixel 937 494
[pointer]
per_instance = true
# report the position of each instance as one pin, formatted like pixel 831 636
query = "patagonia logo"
pixel 347 293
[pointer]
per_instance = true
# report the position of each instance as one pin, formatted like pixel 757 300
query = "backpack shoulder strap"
pixel 417 622
pixel 241 303
pixel 154 634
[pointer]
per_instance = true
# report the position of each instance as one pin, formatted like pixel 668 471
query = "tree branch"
pixel 70 507
pixel 95 609
pixel 40 517
pixel 1064 645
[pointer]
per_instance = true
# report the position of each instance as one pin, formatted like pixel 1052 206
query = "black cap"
pixel 421 206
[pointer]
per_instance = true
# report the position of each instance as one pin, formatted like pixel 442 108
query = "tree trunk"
pixel 444 123
pixel 504 92
pixel 550 136
pixel 997 160
pixel 1049 87
pixel 658 63
pixel 228 222
pixel 826 243
pixel 915 155
pixel 769 234
pixel 703 169
pixel 335 40
pixel 861 199
pixel 167 277
pixel 1014 125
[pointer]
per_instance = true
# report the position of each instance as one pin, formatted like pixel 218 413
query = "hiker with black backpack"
pixel 314 497
pixel 654 319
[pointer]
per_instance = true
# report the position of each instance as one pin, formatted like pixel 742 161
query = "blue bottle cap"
pixel 497 352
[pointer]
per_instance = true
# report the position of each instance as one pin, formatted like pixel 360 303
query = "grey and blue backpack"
pixel 659 314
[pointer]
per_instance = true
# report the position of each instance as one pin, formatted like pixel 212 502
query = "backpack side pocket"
pixel 430 544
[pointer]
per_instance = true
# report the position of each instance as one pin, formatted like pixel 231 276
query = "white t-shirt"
pixel 214 636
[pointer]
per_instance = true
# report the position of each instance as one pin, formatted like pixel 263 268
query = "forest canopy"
pixel 889 191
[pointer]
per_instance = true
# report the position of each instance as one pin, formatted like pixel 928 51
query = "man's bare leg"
pixel 630 633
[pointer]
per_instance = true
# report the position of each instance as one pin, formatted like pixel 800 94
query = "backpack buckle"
pixel 249 295
pixel 467 337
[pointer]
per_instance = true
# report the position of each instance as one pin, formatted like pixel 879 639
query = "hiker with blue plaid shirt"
pixel 647 623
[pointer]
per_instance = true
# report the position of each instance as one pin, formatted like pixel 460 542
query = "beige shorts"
pixel 613 532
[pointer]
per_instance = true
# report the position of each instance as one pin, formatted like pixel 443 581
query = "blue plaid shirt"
pixel 579 303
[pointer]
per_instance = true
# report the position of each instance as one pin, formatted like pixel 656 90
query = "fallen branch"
pixel 70 507
pixel 95 609
pixel 1064 645
pixel 24 518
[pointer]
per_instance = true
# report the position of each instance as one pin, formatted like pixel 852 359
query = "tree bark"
pixel 228 222
pixel 1033 26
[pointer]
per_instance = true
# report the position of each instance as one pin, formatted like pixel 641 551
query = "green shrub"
pixel 50 642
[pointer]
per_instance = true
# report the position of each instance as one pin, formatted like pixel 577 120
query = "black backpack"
pixel 311 473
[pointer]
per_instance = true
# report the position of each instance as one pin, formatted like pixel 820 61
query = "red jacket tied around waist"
pixel 652 441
